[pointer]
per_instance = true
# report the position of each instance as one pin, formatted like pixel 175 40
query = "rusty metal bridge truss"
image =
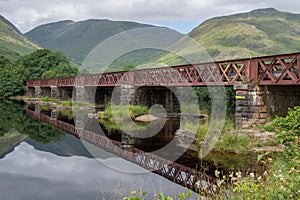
pixel 268 70
pixel 175 172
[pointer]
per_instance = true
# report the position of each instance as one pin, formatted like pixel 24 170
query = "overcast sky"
pixel 182 15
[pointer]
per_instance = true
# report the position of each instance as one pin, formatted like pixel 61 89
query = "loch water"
pixel 40 161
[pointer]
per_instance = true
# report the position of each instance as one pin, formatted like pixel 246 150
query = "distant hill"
pixel 12 42
pixel 256 33
pixel 259 32
pixel 77 39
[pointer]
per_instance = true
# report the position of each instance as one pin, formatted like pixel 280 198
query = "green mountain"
pixel 259 32
pixel 256 33
pixel 12 42
pixel 77 39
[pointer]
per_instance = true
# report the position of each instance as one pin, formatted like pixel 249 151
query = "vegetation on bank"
pixel 139 195
pixel 40 64
pixel 279 177
pixel 117 117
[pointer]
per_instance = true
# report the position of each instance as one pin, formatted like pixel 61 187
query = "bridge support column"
pixel 79 93
pixel 251 106
pixel 127 96
pixel 37 91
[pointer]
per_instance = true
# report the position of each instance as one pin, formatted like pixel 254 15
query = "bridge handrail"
pixel 260 70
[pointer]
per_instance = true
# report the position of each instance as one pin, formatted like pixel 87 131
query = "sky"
pixel 181 15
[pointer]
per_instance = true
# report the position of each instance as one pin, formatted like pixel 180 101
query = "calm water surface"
pixel 38 161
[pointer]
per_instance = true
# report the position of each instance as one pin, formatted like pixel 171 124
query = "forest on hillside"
pixel 40 64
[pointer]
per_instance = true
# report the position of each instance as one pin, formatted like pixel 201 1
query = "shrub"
pixel 288 132
pixel 107 118
pixel 233 143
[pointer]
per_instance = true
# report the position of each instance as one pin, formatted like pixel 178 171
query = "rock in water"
pixel 146 118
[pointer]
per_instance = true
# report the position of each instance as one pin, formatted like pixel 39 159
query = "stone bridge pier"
pixel 63 93
pixel 259 104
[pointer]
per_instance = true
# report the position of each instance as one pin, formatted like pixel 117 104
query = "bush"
pixel 107 118
pixel 233 143
pixel 40 64
pixel 288 132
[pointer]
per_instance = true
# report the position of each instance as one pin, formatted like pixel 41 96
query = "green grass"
pixel 49 99
pixel 229 141
pixel 233 143
pixel 66 103
pixel 68 113
pixel 118 117
pixel 46 107
pixel 268 128
pixel 123 112
pixel 70 103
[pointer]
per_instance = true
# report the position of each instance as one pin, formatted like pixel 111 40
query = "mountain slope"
pixel 77 39
pixel 12 42
pixel 256 33
pixel 259 32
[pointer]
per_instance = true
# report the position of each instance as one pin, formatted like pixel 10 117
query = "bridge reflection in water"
pixel 180 174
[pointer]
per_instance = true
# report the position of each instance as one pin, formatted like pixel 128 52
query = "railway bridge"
pixel 265 86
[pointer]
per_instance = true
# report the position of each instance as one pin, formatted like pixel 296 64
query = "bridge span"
pixel 265 86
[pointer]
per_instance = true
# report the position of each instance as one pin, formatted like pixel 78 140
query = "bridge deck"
pixel 267 70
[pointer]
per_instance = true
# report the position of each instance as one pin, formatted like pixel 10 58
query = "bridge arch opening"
pixel 159 95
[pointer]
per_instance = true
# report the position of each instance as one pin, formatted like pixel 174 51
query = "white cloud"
pixel 27 14
pixel 29 162
pixel 29 171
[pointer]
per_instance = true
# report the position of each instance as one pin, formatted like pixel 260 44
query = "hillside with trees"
pixel 40 64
